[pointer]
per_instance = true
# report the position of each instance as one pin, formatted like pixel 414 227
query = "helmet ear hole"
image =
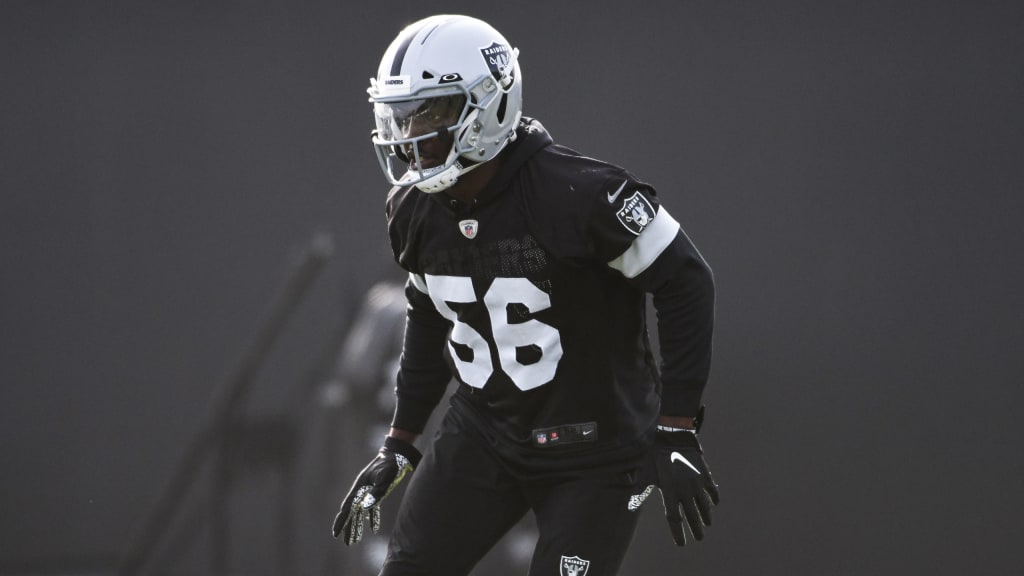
pixel 501 108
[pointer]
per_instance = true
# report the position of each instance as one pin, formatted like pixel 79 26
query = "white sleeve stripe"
pixel 418 282
pixel 651 242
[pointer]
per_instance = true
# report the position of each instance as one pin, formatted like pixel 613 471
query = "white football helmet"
pixel 450 78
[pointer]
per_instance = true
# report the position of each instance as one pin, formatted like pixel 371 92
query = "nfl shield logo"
pixel 469 228
pixel 574 566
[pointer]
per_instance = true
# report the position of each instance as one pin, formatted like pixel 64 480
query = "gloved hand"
pixel 395 460
pixel 685 483
pixel 676 466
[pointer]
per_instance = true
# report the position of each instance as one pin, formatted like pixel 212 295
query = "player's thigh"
pixel 585 525
pixel 459 503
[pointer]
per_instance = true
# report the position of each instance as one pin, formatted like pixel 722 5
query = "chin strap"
pixel 446 178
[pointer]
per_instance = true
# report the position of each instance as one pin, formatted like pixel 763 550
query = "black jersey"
pixel 534 299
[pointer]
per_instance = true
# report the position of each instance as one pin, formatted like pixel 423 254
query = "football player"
pixel 529 268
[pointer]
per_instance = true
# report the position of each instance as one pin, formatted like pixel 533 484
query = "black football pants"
pixel 461 501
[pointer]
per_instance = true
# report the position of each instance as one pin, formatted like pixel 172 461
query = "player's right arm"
pixel 422 379
pixel 423 374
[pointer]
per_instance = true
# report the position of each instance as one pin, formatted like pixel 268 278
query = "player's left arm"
pixel 663 261
pixel 630 230
pixel 683 293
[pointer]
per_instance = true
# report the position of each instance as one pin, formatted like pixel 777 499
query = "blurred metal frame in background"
pixel 222 430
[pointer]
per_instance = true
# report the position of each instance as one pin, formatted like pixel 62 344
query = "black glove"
pixel 685 483
pixel 677 468
pixel 395 460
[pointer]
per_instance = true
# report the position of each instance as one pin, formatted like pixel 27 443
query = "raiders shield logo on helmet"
pixel 497 58
pixel 574 566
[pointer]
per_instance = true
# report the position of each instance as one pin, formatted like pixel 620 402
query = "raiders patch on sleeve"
pixel 636 213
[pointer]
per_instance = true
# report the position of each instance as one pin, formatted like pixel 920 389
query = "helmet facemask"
pixel 417 140
pixel 407 128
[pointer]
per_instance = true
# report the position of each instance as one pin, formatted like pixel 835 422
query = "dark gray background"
pixel 852 171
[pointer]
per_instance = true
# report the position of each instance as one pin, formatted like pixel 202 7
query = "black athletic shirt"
pixel 534 299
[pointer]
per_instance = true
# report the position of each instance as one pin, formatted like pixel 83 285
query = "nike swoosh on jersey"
pixel 677 457
pixel 613 196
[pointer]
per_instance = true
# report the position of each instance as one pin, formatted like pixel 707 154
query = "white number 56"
pixel 507 336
